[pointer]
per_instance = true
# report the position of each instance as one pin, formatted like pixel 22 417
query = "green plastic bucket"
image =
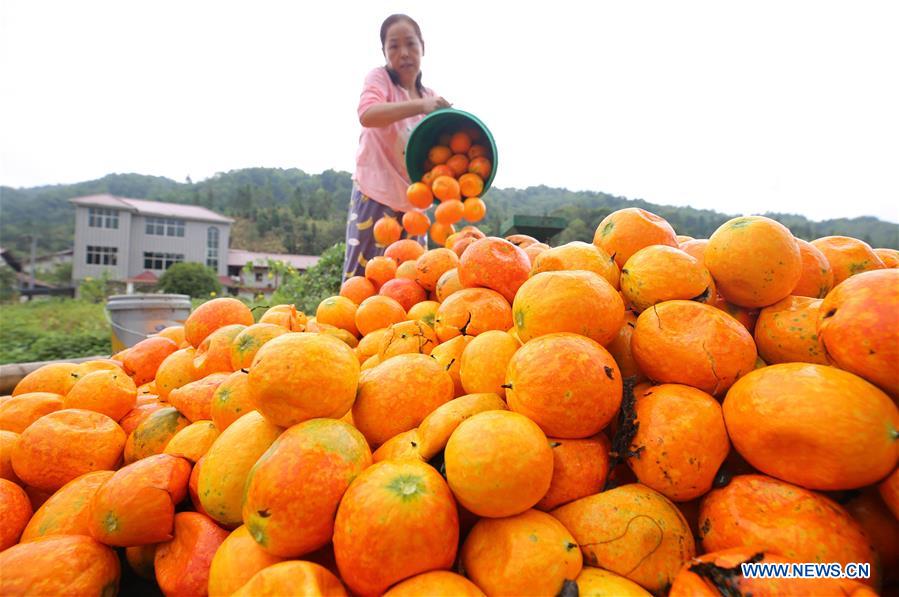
pixel 426 135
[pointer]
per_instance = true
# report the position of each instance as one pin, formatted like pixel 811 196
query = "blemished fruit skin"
pixel 636 416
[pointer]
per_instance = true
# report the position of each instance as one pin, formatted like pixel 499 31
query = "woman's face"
pixel 403 50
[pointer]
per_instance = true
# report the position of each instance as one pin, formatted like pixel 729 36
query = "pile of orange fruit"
pixel 455 172
pixel 636 415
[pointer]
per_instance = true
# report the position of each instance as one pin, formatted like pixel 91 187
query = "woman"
pixel 393 101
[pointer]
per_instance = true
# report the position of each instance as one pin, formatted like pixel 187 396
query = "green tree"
pixel 194 279
pixel 307 290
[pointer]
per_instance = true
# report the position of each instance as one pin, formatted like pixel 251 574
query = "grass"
pixel 53 328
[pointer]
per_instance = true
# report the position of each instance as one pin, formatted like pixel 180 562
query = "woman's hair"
pixel 385 26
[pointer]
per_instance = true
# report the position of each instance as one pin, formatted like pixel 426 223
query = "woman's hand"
pixel 432 103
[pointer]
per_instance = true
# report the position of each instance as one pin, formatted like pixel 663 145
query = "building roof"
pixel 152 208
pixel 239 258
pixel 145 276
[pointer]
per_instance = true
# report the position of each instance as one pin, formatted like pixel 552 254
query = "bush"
pixel 95 290
pixel 319 282
pixel 53 328
pixel 194 279
pixel 8 285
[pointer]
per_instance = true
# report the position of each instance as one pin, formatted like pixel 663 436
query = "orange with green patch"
pixel 67 512
pixel 632 531
pixel 770 515
pixel 397 394
pixel 527 554
pixel 579 302
pixel 813 425
pixel 787 332
pixel 817 275
pixel 625 231
pixel 136 506
pixel 301 376
pixel 139 413
pixel 231 400
pixel 227 463
pixel 338 311
pixel 154 433
pixel 397 519
pixel 298 483
pixel 566 383
pixel 693 344
pixel 858 323
pixel 847 256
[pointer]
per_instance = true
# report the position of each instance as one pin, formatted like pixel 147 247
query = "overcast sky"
pixel 739 107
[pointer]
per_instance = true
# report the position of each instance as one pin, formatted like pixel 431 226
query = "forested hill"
pixel 290 211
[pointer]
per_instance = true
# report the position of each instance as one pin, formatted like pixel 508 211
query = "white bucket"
pixel 134 317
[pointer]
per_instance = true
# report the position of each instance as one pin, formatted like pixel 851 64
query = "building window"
pixel 102 255
pixel 161 261
pixel 259 276
pixel 165 227
pixel 212 247
pixel 100 217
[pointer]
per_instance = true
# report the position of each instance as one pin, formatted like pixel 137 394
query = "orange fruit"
pixel 404 250
pixel 338 311
pixel 441 170
pixel 213 315
pixel 449 212
pixel 446 187
pixel 378 312
pixel 624 232
pixel 847 256
pixel 427 178
pixel 754 260
pixel 380 269
pixel 440 232
pixel 417 223
pixel 357 289
pixel 480 166
pixel 471 185
pixel 419 194
pixel 458 164
pixel 460 142
pixel 386 231
pixel 473 209
pixel 477 151
pixel 439 154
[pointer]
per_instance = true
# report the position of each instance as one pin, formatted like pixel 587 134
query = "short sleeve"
pixel 375 90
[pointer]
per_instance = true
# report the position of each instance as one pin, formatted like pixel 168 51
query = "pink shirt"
pixel 380 160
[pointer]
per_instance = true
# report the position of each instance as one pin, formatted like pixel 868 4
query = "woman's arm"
pixel 387 113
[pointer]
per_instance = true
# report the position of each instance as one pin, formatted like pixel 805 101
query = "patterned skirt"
pixel 360 241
